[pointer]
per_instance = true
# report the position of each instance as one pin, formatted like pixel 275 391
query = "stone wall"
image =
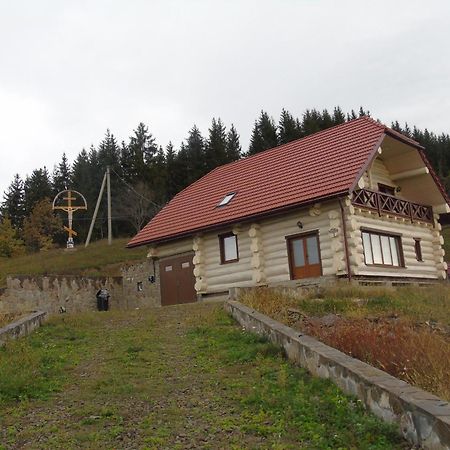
pixel 141 284
pixel 74 293
pixel 22 327
pixel 423 418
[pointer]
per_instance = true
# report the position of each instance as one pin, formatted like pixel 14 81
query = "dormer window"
pixel 227 199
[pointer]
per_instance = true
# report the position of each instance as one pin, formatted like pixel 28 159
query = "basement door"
pixel 304 256
pixel 177 280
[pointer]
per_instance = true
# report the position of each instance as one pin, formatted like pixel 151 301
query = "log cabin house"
pixel 358 200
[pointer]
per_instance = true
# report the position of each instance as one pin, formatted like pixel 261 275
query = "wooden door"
pixel 177 280
pixel 304 256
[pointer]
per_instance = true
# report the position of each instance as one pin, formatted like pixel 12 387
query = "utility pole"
pixel 108 193
pixel 88 239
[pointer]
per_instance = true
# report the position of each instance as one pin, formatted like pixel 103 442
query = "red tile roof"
pixel 319 166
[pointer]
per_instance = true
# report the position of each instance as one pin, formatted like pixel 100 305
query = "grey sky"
pixel 71 69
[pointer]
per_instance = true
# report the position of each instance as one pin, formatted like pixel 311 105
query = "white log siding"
pixel 218 277
pixel 377 173
pixel 432 266
pixel 319 218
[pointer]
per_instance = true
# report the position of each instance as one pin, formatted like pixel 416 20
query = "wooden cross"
pixel 70 209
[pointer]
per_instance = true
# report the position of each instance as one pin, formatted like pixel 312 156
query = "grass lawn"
pixel 98 259
pixel 180 377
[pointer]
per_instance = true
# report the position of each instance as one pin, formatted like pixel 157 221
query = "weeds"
pixel 400 330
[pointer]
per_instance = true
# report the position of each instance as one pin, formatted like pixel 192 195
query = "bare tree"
pixel 135 205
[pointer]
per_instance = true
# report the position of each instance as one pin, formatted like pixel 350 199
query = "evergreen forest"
pixel 145 176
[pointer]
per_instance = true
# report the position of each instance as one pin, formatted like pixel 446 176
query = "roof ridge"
pixel 309 136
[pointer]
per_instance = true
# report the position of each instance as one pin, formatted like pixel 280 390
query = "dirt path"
pixel 146 383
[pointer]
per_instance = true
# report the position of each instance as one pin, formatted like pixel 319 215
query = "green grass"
pixel 99 259
pixel 176 377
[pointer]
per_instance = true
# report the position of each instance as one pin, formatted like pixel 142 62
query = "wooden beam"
pixel 410 173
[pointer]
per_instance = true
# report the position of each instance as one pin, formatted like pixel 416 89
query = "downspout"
pixel 344 230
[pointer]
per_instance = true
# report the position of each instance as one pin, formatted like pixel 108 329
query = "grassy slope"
pixel 98 259
pixel 177 377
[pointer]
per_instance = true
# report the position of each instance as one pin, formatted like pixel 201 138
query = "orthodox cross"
pixel 66 201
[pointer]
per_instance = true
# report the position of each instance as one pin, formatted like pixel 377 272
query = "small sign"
pixel 185 265
pixel 168 268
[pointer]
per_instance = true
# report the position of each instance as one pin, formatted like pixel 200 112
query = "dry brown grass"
pixel 6 318
pixel 400 330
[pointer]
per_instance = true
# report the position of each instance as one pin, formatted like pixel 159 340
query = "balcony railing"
pixel 385 203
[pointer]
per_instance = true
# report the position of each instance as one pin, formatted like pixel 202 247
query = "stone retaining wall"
pixel 141 284
pixel 22 327
pixel 424 419
pixel 26 293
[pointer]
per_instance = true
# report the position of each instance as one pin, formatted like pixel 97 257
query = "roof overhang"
pixel 259 216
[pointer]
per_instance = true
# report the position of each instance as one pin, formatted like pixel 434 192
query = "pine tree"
pixel 61 179
pixel 216 146
pixel 352 115
pixel 195 155
pixel 264 134
pixel 159 177
pixel 233 146
pixel 140 154
pixel 326 120
pixel 338 116
pixel 37 187
pixel 13 202
pixel 288 128
pixel 84 181
pixel 172 171
pixel 311 122
pixel 108 153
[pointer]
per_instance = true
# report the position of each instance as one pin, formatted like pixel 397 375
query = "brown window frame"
pixel 418 249
pixel 398 240
pixel 386 189
pixel 222 238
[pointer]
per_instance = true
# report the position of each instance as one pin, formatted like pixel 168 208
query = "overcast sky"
pixel 71 69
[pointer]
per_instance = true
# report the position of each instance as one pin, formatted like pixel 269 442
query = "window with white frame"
pixel 382 249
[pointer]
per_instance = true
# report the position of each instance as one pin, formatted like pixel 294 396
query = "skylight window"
pixel 227 199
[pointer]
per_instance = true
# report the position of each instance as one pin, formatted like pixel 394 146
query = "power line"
pixel 134 190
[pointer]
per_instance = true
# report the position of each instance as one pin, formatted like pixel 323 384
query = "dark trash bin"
pixel 103 299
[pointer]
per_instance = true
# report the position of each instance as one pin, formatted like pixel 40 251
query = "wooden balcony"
pixel 388 204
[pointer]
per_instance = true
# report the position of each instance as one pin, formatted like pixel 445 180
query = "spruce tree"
pixel 37 187
pixel 195 155
pixel 84 181
pixel 338 116
pixel 264 134
pixel 141 151
pixel 311 122
pixel 172 172
pixel 233 146
pixel 61 179
pixel 13 204
pixel 288 128
pixel 216 146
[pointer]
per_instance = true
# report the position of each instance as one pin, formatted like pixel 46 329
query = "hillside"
pixel 96 260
